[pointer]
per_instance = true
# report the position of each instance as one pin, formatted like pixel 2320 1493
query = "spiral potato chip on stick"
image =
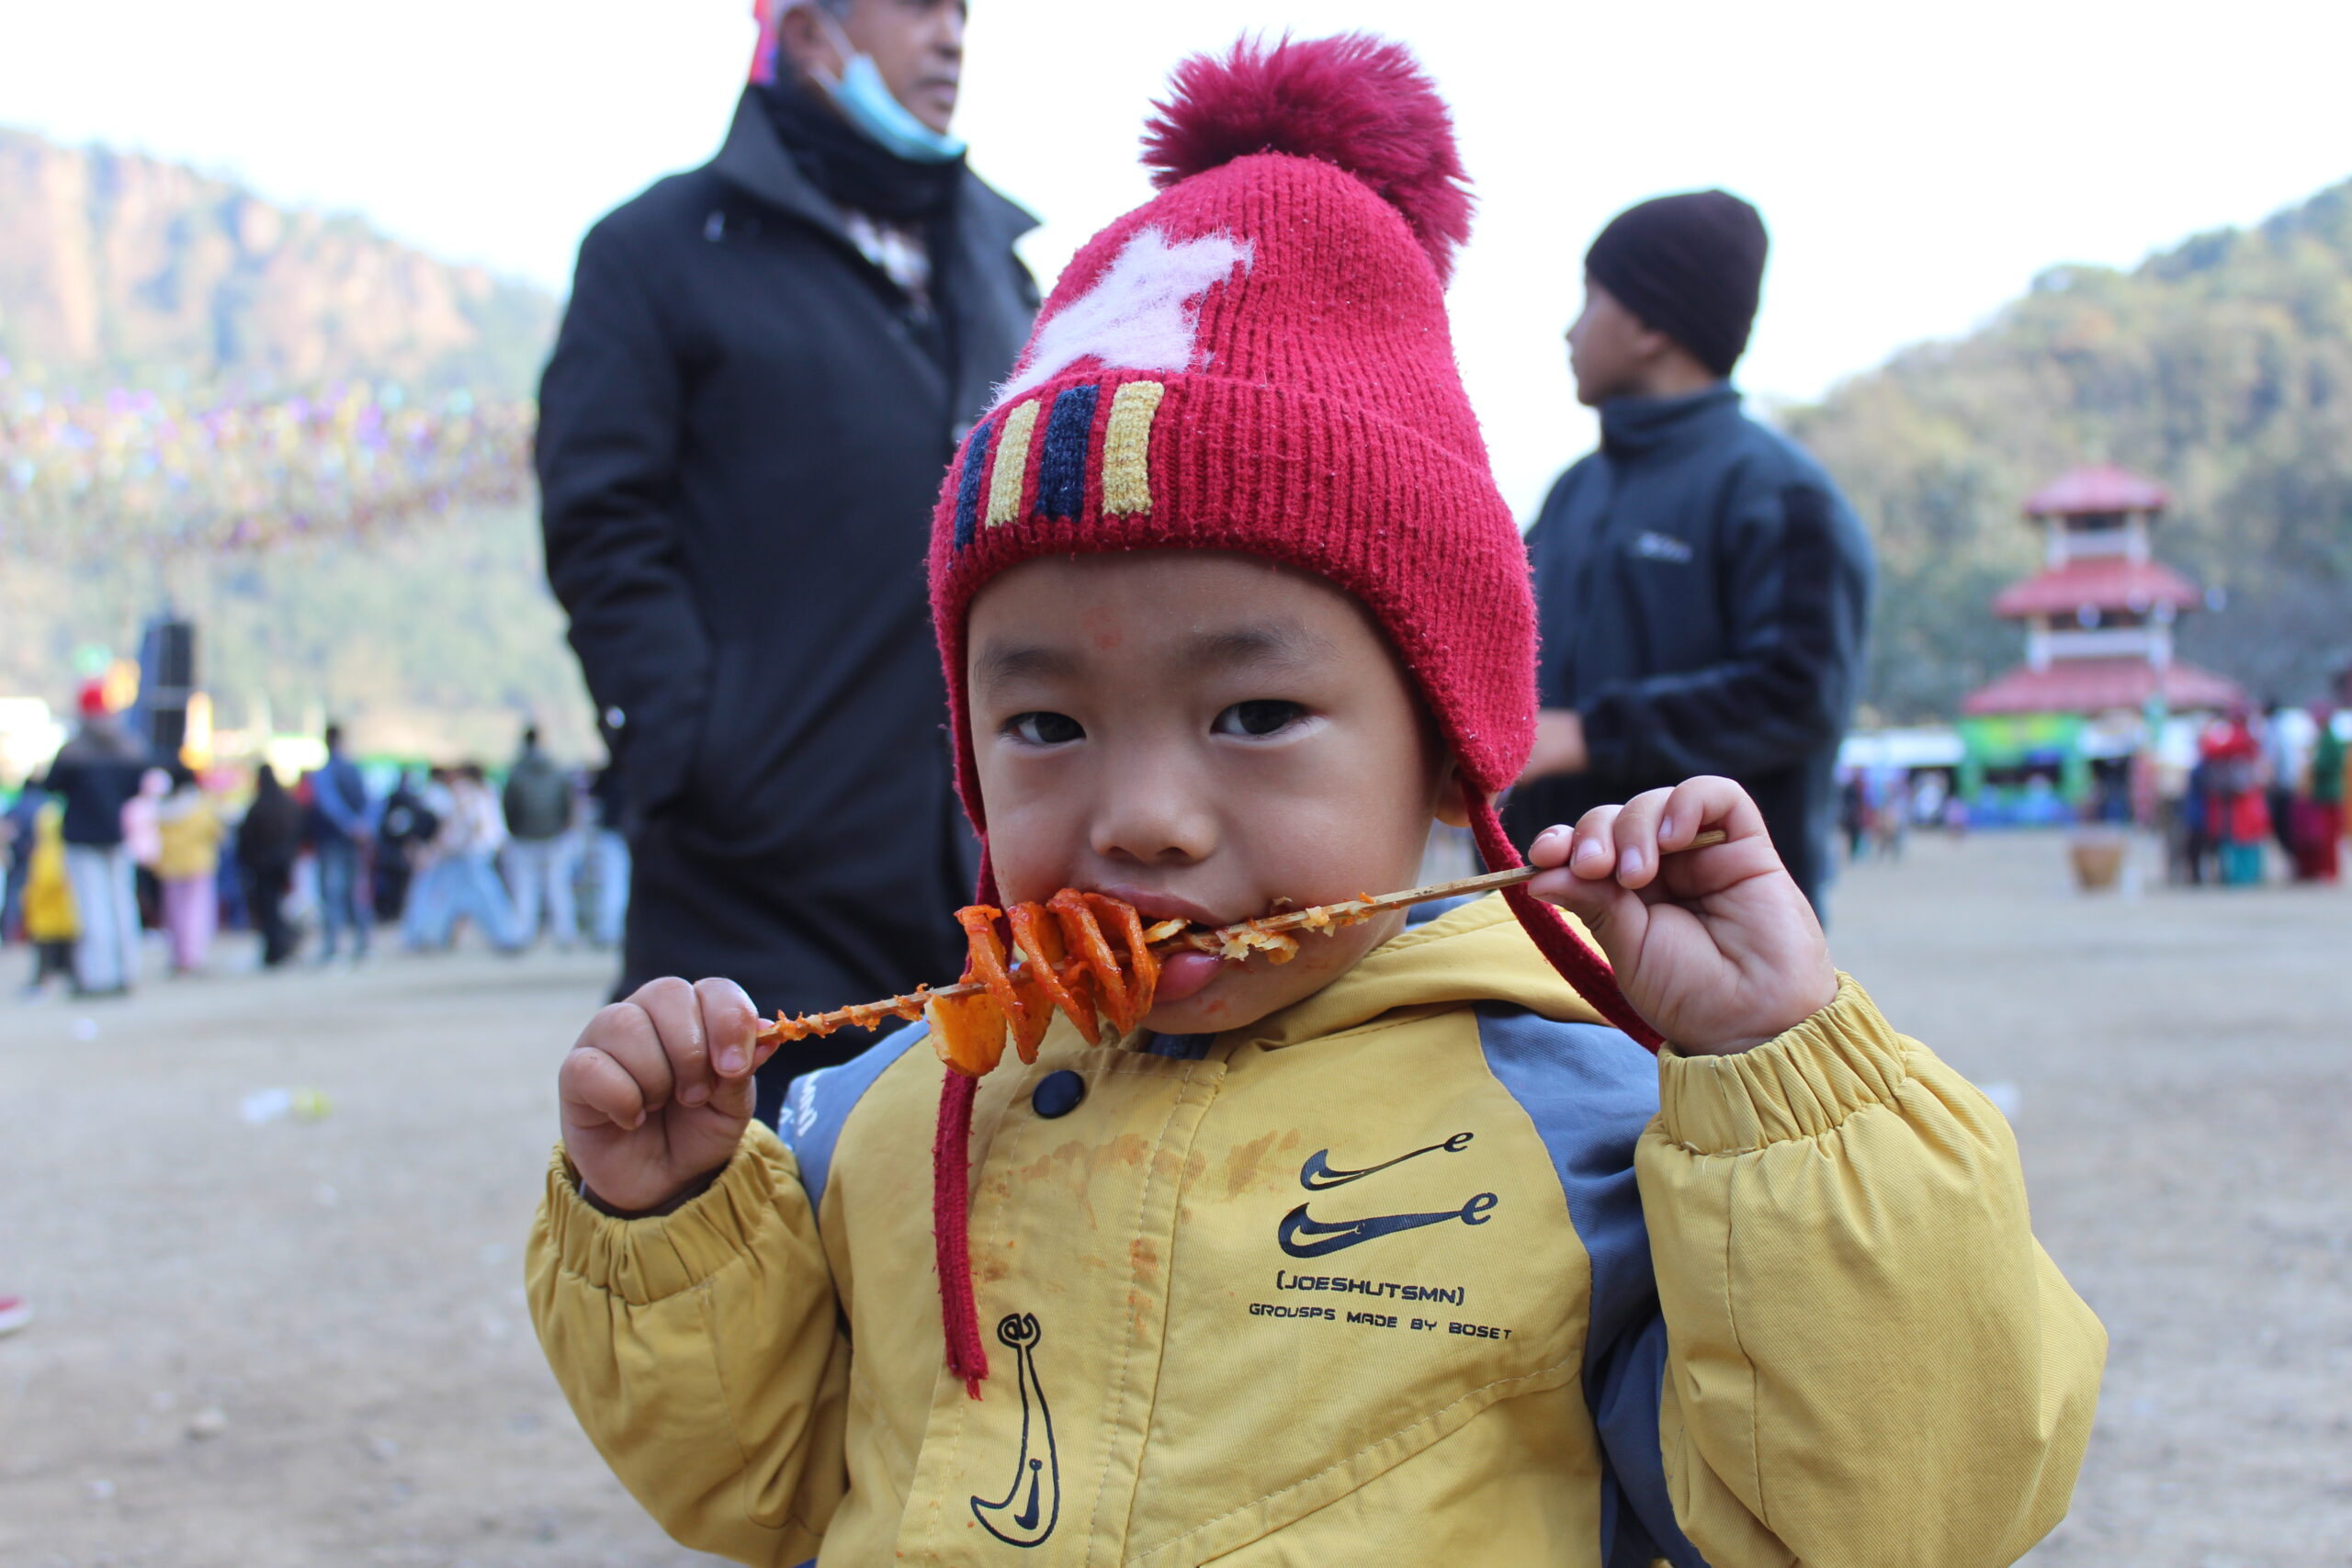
pixel 967 1030
pixel 1090 947
pixel 1068 986
pixel 1141 975
pixel 1069 964
pixel 988 959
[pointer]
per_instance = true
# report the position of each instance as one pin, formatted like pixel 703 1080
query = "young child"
pixel 1399 1252
pixel 51 923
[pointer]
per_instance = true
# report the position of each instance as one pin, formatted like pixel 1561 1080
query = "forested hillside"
pixel 2221 367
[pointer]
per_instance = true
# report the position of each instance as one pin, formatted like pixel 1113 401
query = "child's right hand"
pixel 657 1090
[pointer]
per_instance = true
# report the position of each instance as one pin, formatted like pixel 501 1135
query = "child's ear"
pixel 1453 797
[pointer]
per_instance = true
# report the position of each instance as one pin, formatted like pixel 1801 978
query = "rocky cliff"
pixel 120 268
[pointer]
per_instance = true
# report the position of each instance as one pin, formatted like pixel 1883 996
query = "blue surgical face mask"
pixel 866 101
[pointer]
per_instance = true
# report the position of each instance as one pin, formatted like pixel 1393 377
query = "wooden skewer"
pixel 1318 917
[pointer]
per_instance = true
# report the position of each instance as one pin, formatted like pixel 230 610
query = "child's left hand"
pixel 1716 947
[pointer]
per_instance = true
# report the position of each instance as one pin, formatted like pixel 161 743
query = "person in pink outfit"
pixel 187 863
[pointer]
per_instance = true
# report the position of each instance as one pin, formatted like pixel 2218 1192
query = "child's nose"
pixel 1155 815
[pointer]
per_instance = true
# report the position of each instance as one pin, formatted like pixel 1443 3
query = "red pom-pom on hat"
pixel 1356 101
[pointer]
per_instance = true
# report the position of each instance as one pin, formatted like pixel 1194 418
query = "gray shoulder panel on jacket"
pixel 819 1102
pixel 1589 1091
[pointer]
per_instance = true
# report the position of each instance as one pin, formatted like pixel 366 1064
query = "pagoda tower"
pixel 2098 618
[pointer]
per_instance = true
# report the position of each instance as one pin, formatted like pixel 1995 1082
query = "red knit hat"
pixel 1257 359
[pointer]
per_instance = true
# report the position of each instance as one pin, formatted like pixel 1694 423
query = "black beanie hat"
pixel 1690 267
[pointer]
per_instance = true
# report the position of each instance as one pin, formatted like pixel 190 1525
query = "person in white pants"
pixel 106 954
pixel 96 774
pixel 541 872
pixel 542 849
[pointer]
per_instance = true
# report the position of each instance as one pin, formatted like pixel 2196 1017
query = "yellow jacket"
pixel 49 894
pixel 1429 1268
pixel 191 830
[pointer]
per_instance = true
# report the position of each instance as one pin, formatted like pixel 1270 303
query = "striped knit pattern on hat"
pixel 1257 360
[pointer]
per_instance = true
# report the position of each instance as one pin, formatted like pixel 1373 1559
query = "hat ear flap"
pixel 1578 964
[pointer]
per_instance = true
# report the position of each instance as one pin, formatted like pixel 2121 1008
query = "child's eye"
pixel 1045 728
pixel 1258 716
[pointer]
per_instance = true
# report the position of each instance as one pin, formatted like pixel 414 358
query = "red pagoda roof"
pixel 2101 487
pixel 2103 583
pixel 2095 685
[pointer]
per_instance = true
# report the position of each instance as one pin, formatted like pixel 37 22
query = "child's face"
pixel 1201 735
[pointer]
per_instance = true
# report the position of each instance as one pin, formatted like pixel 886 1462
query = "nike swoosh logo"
pixel 1338 1237
pixel 1317 1175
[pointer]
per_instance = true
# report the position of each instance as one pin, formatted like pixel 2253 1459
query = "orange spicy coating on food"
pixel 967 1032
pixel 1092 949
pixel 1069 964
pixel 1067 986
pixel 1143 977
pixel 860 1015
pixel 1036 1011
pixel 988 961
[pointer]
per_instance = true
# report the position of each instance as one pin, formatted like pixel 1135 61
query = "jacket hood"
pixel 1478 953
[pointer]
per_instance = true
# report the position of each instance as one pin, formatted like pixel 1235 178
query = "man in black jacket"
pixel 95 773
pixel 764 370
pixel 1703 587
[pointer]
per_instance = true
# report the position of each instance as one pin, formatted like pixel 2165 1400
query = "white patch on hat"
pixel 1141 314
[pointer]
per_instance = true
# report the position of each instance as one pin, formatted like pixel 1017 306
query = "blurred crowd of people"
pixel 113 843
pixel 2274 778
pixel 1877 809
pixel 2257 797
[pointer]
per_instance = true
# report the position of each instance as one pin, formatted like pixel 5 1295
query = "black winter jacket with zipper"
pixel 741 436
pixel 1703 592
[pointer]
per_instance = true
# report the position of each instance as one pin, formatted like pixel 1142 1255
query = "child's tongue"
pixel 1183 974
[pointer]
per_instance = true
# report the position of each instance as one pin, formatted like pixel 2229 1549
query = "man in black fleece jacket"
pixel 1703 588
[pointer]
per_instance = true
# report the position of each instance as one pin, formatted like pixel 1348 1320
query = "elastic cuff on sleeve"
pixel 1801 1085
pixel 643 1261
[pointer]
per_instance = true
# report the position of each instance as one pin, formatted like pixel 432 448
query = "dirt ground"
pixel 303 1341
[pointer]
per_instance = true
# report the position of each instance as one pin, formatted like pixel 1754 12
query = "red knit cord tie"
pixel 951 1201
pixel 1556 939
pixel 951 1189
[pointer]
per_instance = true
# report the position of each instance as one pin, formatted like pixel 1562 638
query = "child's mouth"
pixel 1181 974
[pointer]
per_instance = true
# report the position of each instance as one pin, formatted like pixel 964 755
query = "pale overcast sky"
pixel 1917 163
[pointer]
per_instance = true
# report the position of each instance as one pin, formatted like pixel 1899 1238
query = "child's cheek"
pixel 1031 846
